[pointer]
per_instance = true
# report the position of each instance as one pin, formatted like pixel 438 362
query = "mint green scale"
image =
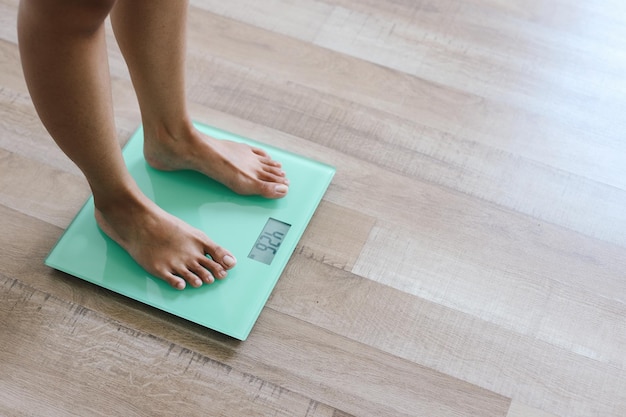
pixel 261 233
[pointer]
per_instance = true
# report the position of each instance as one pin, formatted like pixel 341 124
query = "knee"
pixel 72 16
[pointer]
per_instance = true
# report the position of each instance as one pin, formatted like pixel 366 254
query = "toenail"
pixel 281 188
pixel 229 260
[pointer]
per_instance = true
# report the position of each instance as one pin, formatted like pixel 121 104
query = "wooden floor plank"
pixel 454 45
pixel 298 19
pixel 115 370
pixel 453 342
pixel 34 189
pixel 520 410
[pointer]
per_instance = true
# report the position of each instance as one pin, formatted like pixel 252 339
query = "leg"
pixel 62 45
pixel 155 52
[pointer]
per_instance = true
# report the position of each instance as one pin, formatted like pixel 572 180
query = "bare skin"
pixel 245 170
pixel 155 53
pixel 63 50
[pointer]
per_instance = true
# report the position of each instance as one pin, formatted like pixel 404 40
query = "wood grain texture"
pixel 469 258
pixel 158 377
pixel 520 410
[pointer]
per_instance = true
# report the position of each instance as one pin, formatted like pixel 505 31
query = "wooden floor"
pixel 469 258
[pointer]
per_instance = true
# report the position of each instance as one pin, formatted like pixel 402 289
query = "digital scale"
pixel 261 233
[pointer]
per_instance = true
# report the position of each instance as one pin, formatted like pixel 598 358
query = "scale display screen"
pixel 268 242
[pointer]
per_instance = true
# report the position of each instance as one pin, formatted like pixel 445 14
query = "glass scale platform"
pixel 261 233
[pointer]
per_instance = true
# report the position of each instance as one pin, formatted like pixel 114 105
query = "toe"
pixel 271 187
pixel 275 171
pixel 271 163
pixel 281 189
pixel 266 159
pixel 203 273
pixel 273 178
pixel 260 152
pixel 189 276
pixel 278 190
pixel 228 261
pixel 174 281
pixel 219 255
pixel 216 270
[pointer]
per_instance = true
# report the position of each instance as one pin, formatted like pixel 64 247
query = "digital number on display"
pixel 268 242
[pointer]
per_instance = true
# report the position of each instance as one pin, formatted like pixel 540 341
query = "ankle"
pixel 125 199
pixel 162 130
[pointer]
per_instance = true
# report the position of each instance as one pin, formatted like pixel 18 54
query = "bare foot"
pixel 243 169
pixel 164 245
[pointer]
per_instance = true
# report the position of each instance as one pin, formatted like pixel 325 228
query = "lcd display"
pixel 269 240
